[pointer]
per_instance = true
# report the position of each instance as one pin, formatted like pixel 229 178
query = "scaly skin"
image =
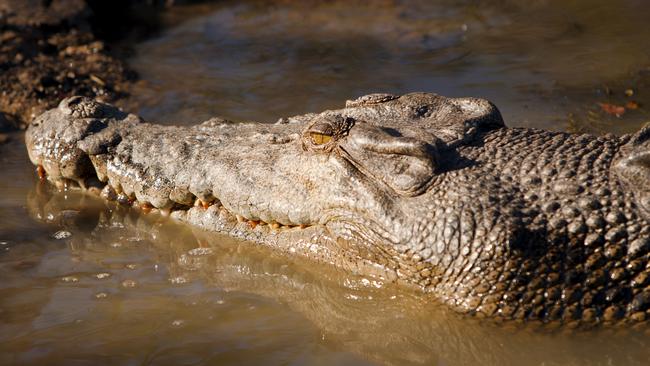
pixel 420 189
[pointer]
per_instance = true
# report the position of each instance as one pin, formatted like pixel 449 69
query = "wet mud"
pixel 53 49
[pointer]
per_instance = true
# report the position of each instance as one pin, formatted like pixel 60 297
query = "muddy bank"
pixel 57 48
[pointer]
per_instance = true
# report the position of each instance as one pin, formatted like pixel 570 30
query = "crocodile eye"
pixel 321 133
pixel 324 133
pixel 320 138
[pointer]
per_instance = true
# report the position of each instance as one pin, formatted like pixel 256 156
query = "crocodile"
pixel 380 322
pixel 426 191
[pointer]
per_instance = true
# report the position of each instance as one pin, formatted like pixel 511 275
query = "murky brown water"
pixel 120 289
pixel 544 63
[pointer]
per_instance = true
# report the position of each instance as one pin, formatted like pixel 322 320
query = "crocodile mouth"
pixel 114 193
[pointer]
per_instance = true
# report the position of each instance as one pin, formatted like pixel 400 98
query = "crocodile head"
pixel 352 175
pixel 421 189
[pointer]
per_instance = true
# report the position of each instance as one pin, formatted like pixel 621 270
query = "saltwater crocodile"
pixel 424 190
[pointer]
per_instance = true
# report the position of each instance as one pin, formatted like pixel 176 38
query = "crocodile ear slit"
pixel 407 165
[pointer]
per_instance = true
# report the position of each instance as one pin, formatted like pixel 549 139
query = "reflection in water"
pixel 544 63
pixel 141 288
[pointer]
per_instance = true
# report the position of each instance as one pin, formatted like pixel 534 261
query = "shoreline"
pixel 52 50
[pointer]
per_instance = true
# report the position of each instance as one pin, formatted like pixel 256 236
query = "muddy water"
pixel 544 63
pixel 86 283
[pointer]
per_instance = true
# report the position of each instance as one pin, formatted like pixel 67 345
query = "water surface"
pixel 545 64
pixel 88 283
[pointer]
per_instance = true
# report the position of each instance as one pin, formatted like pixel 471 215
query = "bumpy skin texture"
pixel 428 191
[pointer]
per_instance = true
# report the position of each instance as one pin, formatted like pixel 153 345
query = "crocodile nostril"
pixel 422 111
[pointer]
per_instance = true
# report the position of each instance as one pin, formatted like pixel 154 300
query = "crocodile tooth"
pixel 146 207
pixel 201 203
pixel 240 218
pixel 42 174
